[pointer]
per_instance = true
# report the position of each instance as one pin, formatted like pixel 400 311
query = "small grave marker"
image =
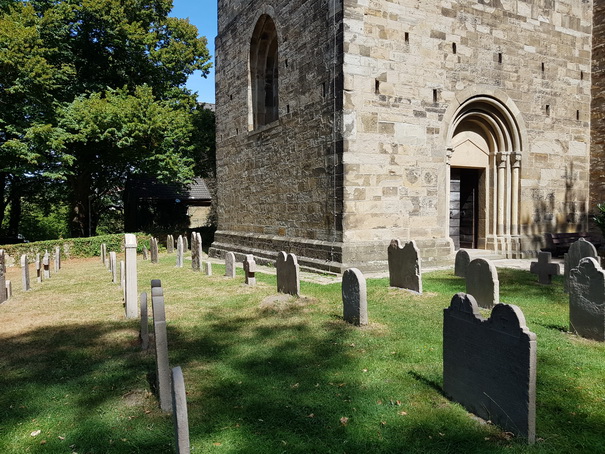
pixel 180 252
pixel 113 266
pixel 208 268
pixel 587 300
pixel 482 282
pixel 179 411
pixel 185 244
pixel 46 265
pixel 544 268
pixel 230 265
pixel 288 274
pixel 404 266
pixel 3 294
pixel 25 273
pixel 354 297
pixel 9 289
pixel 103 253
pixel 462 262
pixel 250 269
pixel 154 250
pixel 57 258
pixel 145 253
pixel 39 268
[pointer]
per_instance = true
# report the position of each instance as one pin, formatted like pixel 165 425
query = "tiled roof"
pixel 146 188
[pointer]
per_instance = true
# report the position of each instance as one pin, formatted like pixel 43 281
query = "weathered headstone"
pixel 144 334
pixel 131 294
pixel 25 273
pixel 461 263
pixel 145 253
pixel 46 265
pixel 196 251
pixel 161 346
pixel 185 243
pixel 57 258
pixel 169 244
pixel 544 268
pixel 39 268
pixel 482 282
pixel 9 289
pixel 113 266
pixel 230 265
pixel 489 366
pixel 123 279
pixel 354 297
pixel 154 250
pixel 208 268
pixel 180 252
pixel 250 269
pixel 404 266
pixel 587 300
pixel 577 251
pixel 288 274
pixel 3 295
pixel 179 412
pixel 103 253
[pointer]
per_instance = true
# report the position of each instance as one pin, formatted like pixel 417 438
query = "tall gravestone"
pixel 179 412
pixel 9 289
pixel 25 273
pixel 39 268
pixel 577 251
pixel 46 265
pixel 153 244
pixel 131 293
pixel 144 333
pixel 103 253
pixel 113 266
pixel 180 252
pixel 250 270
pixel 461 263
pixel 161 346
pixel 404 266
pixel 230 265
pixel 3 295
pixel 288 274
pixel 482 282
pixel 185 243
pixel 57 258
pixel 196 251
pixel 587 300
pixel 145 253
pixel 489 365
pixel 354 297
pixel 169 244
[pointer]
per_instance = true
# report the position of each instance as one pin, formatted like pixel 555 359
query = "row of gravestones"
pixel 43 271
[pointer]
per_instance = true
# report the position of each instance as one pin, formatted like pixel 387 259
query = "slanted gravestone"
pixel 131 293
pixel 577 251
pixel 161 346
pixel 587 300
pixel 113 266
pixel 544 268
pixel 169 244
pixel 3 295
pixel 461 263
pixel 103 253
pixel 145 253
pixel 25 273
pixel 230 265
pixel 39 268
pixel 179 412
pixel 489 366
pixel 154 250
pixel 46 265
pixel 404 266
pixel 208 268
pixel 250 270
pixel 144 334
pixel 354 297
pixel 288 274
pixel 482 282
pixel 179 252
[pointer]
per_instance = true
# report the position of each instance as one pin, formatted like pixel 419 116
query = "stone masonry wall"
pixel 406 65
pixel 597 149
pixel 280 185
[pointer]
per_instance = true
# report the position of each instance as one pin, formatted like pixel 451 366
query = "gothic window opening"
pixel 264 75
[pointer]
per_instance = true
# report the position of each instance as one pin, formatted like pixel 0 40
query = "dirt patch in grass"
pixel 285 304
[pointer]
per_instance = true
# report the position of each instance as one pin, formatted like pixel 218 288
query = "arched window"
pixel 264 75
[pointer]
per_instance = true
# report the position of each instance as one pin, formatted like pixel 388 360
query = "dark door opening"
pixel 464 196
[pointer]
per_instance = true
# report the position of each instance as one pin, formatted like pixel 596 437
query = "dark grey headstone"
pixel 179 412
pixel 230 265
pixel 482 282
pixel 250 269
pixel 404 266
pixel 288 274
pixel 354 297
pixel 587 300
pixel 461 263
pixel 489 366
pixel 577 251
pixel 544 268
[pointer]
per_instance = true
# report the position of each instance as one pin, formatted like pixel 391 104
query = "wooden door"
pixel 464 184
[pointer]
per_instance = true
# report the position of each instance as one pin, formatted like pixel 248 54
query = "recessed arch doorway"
pixel 484 157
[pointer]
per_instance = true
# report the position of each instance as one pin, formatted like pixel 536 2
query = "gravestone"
pixel 123 279
pixel 131 294
pixel 144 334
pixel 154 250
pixel 577 251
pixel 39 268
pixel 9 289
pixel 113 266
pixel 179 412
pixel 3 295
pixel 230 265
pixel 587 300
pixel 288 274
pixel 482 282
pixel 145 253
pixel 250 269
pixel 461 263
pixel 46 265
pixel 185 244
pixel 103 253
pixel 169 244
pixel 196 251
pixel 404 266
pixel 179 252
pixel 354 297
pixel 25 273
pixel 544 268
pixel 57 259
pixel 161 346
pixel 208 268
pixel 489 365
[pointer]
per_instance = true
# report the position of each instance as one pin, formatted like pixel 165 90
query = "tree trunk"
pixel 15 201
pixel 79 224
pixel 3 202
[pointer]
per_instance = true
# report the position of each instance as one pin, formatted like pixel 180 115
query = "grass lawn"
pixel 267 375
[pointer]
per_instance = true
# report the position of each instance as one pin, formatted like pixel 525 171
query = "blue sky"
pixel 202 14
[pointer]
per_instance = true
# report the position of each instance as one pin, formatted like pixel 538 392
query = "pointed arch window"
pixel 264 75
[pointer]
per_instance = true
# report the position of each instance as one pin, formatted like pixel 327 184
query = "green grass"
pixel 267 376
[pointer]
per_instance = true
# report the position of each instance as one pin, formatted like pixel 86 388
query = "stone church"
pixel 342 124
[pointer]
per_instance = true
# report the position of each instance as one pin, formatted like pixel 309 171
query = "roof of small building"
pixel 148 188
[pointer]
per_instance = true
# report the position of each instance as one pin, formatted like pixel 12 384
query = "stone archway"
pixel 484 159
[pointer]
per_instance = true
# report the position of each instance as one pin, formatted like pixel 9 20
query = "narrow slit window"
pixel 500 57
pixel 407 37
pixel 547 110
pixel 577 115
pixel 435 96
pixel 454 49
pixel 377 86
